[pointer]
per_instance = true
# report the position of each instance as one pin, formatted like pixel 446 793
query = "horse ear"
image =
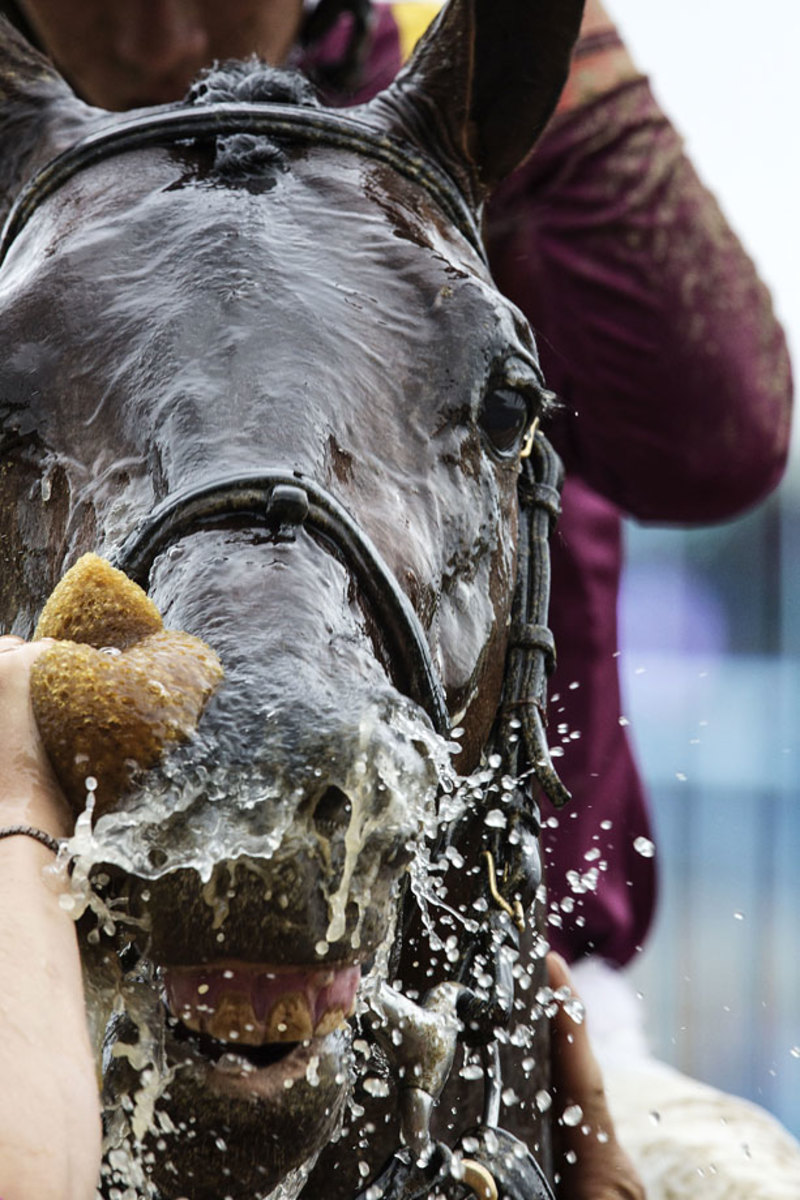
pixel 39 113
pixel 482 84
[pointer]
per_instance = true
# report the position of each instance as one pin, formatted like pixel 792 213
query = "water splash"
pixel 199 796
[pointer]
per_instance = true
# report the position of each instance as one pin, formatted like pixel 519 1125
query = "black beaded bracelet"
pixel 28 831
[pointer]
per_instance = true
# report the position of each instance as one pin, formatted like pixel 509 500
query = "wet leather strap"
pixel 284 502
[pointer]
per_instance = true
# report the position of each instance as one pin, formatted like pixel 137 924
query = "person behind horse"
pixel 653 328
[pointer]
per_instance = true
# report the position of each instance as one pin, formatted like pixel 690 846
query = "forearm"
pixel 49 1106
pixel 654 326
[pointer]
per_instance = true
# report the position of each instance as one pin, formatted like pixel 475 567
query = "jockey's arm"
pixel 653 325
pixel 49 1104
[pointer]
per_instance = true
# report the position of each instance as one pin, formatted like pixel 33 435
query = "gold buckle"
pixel 516 911
pixel 478 1179
pixel 527 446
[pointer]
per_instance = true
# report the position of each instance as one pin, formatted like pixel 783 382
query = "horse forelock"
pixel 250 81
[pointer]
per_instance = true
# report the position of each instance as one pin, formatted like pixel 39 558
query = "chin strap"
pixel 498 1166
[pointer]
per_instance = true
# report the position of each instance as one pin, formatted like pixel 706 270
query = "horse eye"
pixel 504 416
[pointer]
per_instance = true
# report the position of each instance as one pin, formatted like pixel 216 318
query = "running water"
pixel 127 1007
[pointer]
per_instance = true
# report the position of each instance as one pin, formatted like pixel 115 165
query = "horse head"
pixel 253 354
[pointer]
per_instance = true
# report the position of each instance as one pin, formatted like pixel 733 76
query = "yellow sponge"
pixel 98 605
pixel 116 689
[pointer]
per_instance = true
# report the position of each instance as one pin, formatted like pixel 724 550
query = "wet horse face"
pixel 201 310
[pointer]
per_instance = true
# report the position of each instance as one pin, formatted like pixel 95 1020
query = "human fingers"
pixel 26 652
pixel 591 1164
pixel 577 1077
pixel 10 641
pixel 16 659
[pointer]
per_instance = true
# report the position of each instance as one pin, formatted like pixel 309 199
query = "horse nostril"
pixel 332 811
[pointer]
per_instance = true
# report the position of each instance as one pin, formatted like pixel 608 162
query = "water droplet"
pixel 575 1009
pixel 90 783
pixel 644 846
pixel 738 916
pixel 573 1115
pixel 375 1086
pixel 312 1070
pixel 473 1071
pixel 543 1100
pixel 322 948
pixel 795 1051
pixel 495 819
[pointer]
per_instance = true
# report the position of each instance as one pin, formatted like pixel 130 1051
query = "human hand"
pixel 50 1131
pixel 29 794
pixel 590 1163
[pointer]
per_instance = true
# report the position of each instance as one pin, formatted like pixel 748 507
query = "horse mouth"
pixel 255 1030
pixel 249 1005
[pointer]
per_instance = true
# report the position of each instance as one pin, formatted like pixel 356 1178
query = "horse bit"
pixel 489 1162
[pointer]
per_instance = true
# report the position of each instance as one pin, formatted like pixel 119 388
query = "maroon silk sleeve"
pixel 675 376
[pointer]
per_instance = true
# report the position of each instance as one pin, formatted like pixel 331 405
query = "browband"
pixel 309 126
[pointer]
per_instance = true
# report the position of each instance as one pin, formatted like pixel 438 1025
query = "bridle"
pixel 284 503
pixel 204 122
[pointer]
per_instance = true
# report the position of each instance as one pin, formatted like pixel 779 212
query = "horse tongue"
pixel 256 1005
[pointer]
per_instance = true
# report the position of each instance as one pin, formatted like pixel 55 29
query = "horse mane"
pixel 245 156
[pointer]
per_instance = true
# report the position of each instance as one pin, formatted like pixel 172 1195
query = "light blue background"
pixel 711 619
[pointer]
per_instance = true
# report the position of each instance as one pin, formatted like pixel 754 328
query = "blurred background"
pixel 710 619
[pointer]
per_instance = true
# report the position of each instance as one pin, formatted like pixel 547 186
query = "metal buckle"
pixel 478 1179
pixel 514 911
pixel 527 445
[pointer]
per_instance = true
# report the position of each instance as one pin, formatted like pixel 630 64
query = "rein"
pixel 489 1161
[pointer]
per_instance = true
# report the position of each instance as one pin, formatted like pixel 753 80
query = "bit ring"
pixel 478 1179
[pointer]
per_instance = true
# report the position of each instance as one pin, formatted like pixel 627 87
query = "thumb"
pixel 591 1164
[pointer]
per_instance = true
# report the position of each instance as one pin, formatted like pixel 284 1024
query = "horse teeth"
pixel 289 1020
pixel 230 1020
pixel 333 1019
